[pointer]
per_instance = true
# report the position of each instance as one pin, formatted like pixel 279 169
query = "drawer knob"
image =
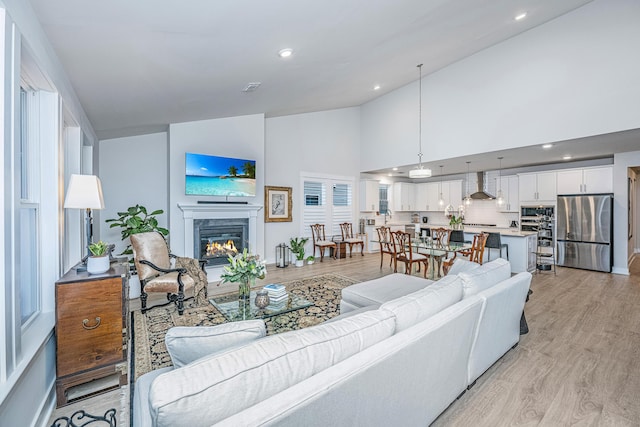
pixel 86 321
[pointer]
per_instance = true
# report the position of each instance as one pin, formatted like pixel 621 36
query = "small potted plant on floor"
pixel 98 261
pixel 297 248
pixel 311 259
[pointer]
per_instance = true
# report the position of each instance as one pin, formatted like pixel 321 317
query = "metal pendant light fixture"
pixel 420 171
pixel 499 196
pixel 467 199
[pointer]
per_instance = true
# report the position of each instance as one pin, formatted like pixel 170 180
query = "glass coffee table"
pixel 234 309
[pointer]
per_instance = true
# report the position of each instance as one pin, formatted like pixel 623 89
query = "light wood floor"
pixel 579 364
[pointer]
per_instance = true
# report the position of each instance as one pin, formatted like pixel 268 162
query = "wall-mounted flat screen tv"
pixel 219 176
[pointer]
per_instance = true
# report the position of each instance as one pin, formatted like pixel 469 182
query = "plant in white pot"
pixel 98 261
pixel 297 248
pixel 311 259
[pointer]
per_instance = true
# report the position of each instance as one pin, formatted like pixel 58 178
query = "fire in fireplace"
pixel 217 239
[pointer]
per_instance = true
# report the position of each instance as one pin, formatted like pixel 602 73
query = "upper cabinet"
pixel 369 195
pixel 510 191
pixel 537 187
pixel 586 181
pixel 428 195
pixel 404 196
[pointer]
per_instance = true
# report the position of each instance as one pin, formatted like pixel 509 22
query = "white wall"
pixel 133 170
pixel 326 142
pixel 621 244
pixel 240 137
pixel 572 77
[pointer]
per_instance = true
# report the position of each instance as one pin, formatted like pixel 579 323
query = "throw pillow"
pixel 485 276
pixel 188 343
pixel 461 265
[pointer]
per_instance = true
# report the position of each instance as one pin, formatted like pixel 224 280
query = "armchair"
pixel 153 264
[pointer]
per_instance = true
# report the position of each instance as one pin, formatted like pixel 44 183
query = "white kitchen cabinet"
pixel 537 187
pixel 586 181
pixel 455 194
pixel 427 196
pixel 404 198
pixel 369 195
pixel 510 192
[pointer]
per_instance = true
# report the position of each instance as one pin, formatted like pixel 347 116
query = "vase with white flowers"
pixel 244 269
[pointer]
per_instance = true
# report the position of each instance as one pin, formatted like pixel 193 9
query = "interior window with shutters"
pixel 327 201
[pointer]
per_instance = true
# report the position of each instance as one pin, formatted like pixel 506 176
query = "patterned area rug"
pixel 150 328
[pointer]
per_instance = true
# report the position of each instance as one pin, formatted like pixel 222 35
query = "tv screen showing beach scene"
pixel 219 176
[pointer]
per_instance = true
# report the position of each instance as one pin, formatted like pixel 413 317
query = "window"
pixel 327 201
pixel 384 198
pixel 27 275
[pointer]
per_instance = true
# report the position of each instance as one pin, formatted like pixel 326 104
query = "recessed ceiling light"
pixel 521 16
pixel 547 146
pixel 567 157
pixel 285 53
pixel 390 174
pixel 395 169
pixel 376 87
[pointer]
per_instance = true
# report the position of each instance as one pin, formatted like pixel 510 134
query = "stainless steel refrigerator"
pixel 585 231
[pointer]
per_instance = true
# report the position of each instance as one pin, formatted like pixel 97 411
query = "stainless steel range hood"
pixel 481 194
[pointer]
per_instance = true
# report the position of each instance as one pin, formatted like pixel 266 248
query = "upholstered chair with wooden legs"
pixel 385 239
pixel 320 241
pixel 153 264
pixel 404 252
pixel 347 236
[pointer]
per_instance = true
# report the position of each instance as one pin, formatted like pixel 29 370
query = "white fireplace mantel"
pixel 217 211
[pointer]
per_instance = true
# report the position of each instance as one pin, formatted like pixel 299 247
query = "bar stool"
pixel 494 242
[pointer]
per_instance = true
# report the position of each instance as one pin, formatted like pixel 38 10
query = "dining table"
pixel 433 249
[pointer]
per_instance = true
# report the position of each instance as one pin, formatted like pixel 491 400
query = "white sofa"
pixel 402 363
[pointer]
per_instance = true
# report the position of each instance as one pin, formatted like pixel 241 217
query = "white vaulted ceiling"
pixel 138 65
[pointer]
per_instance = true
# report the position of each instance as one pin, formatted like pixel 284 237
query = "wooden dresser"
pixel 91 330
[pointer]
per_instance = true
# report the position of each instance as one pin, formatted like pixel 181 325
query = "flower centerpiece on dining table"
pixel 244 269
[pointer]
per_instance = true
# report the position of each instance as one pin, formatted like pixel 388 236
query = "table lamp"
pixel 85 192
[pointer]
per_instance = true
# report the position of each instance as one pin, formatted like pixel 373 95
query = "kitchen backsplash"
pixel 479 212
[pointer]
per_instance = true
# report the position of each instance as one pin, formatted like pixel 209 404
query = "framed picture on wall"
pixel 277 204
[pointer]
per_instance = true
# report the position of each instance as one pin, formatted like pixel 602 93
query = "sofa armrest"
pixel 188 343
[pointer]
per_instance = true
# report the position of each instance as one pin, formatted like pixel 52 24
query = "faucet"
pixel 387 213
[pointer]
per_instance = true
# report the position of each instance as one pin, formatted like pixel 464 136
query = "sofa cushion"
pixel 485 276
pixel 381 290
pixel 213 388
pixel 420 305
pixel 462 265
pixel 186 344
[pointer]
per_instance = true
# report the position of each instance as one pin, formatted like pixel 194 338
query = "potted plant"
pixel 456 223
pixel 135 220
pixel 311 259
pixel 297 247
pixel 98 261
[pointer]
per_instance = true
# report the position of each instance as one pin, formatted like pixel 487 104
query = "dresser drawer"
pixel 89 326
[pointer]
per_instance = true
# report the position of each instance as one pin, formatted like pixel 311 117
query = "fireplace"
pixel 217 239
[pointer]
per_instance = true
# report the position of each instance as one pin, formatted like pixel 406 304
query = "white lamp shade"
pixel 84 192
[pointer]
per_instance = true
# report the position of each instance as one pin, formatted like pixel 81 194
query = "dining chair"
pixel 440 237
pixel 404 252
pixel 495 242
pixel 385 239
pixel 475 253
pixel 320 241
pixel 347 236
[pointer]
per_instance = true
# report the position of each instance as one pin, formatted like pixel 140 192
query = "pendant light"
pixel 420 172
pixel 499 197
pixel 467 199
pixel 441 199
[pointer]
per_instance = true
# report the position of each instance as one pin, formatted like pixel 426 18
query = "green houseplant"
pixel 136 219
pixel 98 262
pixel 296 245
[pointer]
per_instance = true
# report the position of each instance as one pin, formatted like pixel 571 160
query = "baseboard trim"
pixel 618 270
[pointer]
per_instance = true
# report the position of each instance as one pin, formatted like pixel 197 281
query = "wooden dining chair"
pixel 320 241
pixel 440 237
pixel 404 252
pixel 385 239
pixel 350 239
pixel 475 253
